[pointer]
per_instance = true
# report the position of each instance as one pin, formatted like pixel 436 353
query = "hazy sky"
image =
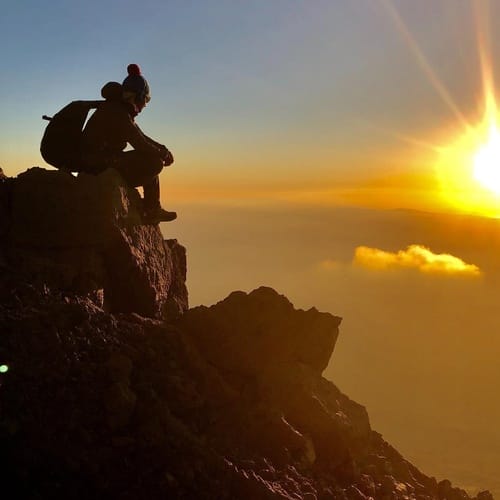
pixel 310 101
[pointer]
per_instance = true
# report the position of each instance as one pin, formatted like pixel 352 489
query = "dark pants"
pixel 138 168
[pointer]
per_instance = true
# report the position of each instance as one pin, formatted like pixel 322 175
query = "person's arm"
pixel 167 156
pixel 157 144
pixel 142 142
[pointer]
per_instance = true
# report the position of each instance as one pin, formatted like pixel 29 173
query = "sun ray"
pixel 414 141
pixel 423 63
pixel 481 15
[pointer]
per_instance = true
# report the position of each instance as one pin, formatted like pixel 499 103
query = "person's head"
pixel 135 88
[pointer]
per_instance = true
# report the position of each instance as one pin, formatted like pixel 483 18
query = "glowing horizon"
pixel 376 129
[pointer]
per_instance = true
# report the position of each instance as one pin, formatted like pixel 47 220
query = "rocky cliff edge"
pixel 84 235
pixel 112 388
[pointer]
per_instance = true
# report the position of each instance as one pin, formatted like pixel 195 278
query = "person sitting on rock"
pixel 112 127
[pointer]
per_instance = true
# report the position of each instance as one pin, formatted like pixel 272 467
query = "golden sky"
pixel 371 102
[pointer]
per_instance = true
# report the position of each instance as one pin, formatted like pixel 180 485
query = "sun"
pixel 468 167
pixel 487 161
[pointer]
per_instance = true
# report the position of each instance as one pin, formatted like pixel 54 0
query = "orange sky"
pixel 318 103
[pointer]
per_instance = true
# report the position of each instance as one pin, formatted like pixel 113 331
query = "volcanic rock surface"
pixel 112 395
pixel 84 234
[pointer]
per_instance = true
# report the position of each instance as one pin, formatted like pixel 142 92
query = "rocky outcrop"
pixel 101 397
pixel 279 354
pixel 85 234
pixel 270 333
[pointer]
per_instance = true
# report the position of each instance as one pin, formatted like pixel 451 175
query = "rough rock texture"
pixel 224 402
pixel 99 405
pixel 85 234
pixel 276 334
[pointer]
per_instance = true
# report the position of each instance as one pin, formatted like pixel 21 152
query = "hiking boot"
pixel 157 215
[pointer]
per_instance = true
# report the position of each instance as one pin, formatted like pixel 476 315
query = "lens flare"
pixel 4 368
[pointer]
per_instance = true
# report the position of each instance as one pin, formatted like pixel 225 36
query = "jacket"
pixel 109 130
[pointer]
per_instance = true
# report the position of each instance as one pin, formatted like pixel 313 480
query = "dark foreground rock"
pixel 99 405
pixel 102 399
pixel 84 234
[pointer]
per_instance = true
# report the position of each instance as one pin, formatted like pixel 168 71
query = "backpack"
pixel 61 144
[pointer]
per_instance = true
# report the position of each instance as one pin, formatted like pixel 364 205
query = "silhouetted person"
pixel 112 127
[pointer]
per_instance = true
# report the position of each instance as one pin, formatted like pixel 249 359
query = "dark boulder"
pixel 270 332
pixel 85 235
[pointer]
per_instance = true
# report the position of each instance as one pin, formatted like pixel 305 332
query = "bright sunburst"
pixel 468 168
pixel 467 165
pixel 487 161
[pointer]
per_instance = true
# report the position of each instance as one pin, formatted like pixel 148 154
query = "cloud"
pixel 414 257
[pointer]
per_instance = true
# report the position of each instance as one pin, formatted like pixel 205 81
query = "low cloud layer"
pixel 414 257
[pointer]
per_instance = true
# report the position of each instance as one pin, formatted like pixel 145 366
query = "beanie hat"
pixel 135 87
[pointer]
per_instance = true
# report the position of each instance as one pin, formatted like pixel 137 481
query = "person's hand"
pixel 167 157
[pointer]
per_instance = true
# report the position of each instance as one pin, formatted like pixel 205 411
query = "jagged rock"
pixel 177 301
pixel 270 333
pixel 484 495
pixel 120 404
pixel 445 491
pixel 84 234
pixel 4 207
pixel 119 368
pixel 261 337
